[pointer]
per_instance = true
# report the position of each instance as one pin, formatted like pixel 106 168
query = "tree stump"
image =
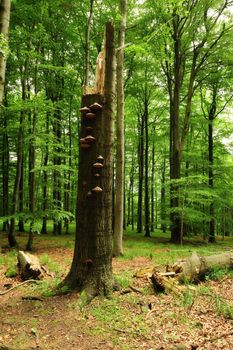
pixel 29 266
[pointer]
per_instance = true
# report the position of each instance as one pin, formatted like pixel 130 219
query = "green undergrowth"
pixel 222 306
pixel 46 288
pixel 218 274
pixel 114 317
pixel 50 264
pixel 8 261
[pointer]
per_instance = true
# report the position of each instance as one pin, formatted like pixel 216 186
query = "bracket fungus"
pixel 96 106
pixel 100 159
pixel 82 140
pixel 98 165
pixel 97 175
pixel 89 194
pixel 97 189
pixel 89 139
pixel 84 110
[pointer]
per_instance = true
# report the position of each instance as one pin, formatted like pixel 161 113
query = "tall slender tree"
pixel 120 143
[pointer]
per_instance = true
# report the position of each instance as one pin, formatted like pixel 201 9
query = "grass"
pixel 115 317
pixel 125 315
pixel 50 264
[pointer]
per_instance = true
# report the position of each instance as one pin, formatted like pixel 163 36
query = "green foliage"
pixel 217 274
pixel 51 265
pixel 124 279
pixel 47 288
pixel 188 298
pixel 11 271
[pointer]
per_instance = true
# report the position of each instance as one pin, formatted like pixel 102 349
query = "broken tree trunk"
pixel 192 269
pixel 29 266
pixel 196 267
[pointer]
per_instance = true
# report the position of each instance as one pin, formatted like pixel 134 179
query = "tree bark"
pixel 163 197
pixel 45 179
pixel 87 46
pixel 11 233
pixel 146 198
pixel 140 173
pixel 91 268
pixel 31 177
pixel 4 28
pixel 211 117
pixel 5 171
pixel 195 267
pixel 152 226
pixel 175 145
pixel 120 151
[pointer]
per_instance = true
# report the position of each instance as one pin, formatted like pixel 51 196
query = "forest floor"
pixel 131 319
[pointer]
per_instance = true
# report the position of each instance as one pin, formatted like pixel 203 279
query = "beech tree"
pixel 182 65
pixel 120 140
pixel 4 28
pixel 91 268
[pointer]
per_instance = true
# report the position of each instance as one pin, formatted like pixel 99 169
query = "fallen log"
pixel 29 266
pixel 196 267
pixel 192 269
pixel 163 283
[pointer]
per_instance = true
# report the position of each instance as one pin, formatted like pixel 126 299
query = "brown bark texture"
pixel 91 269
pixel 4 26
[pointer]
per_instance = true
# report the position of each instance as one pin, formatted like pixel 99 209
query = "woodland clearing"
pixel 32 317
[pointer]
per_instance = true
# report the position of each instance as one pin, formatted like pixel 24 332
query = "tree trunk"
pixel 195 267
pixel 152 227
pixel 120 151
pixel 45 179
pixel 21 196
pixel 140 173
pixel 192 269
pixel 23 72
pixel 57 225
pixel 31 179
pixel 147 200
pixel 67 186
pixel 211 116
pixel 11 233
pixel 163 197
pixel 175 149
pixel 91 268
pixel 5 171
pixel 4 27
pixel 87 46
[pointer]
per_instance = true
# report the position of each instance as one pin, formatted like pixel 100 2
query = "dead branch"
pixel 19 285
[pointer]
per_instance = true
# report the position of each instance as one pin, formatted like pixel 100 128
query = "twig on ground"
pixel 136 290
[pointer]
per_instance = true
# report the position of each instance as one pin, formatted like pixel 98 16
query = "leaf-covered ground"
pixel 135 318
